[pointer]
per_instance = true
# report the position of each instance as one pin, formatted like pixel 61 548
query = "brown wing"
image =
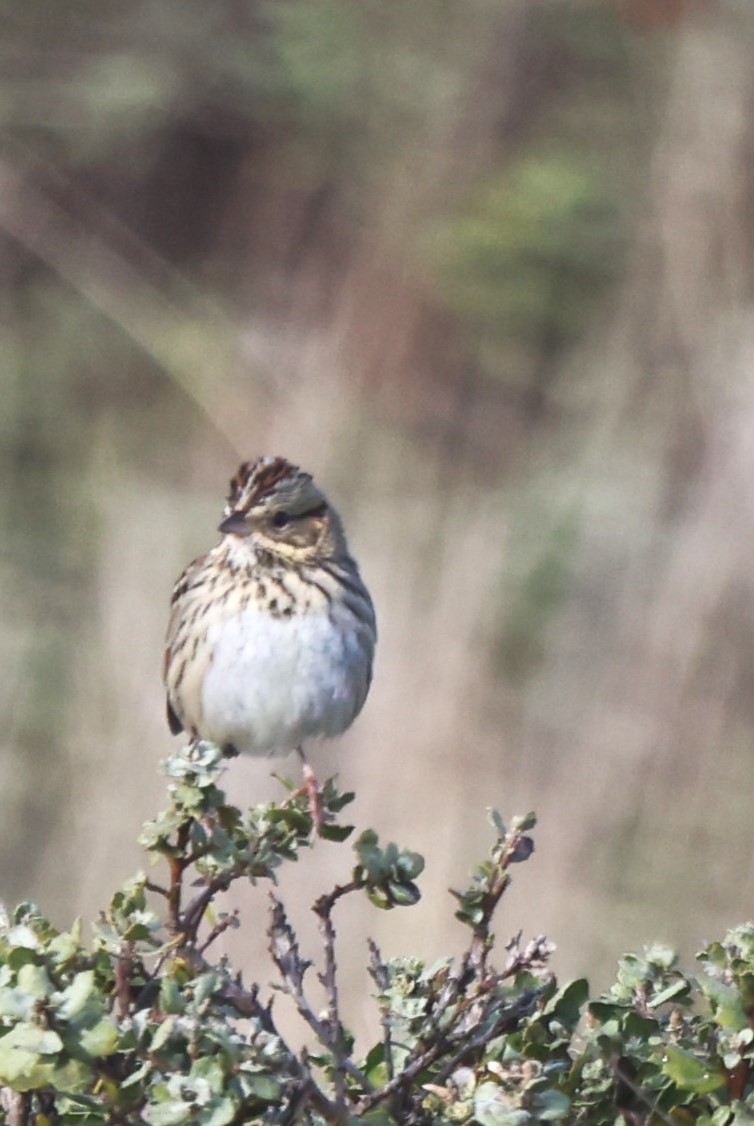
pixel 174 723
pixel 183 585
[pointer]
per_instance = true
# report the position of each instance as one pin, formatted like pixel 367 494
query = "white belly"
pixel 275 682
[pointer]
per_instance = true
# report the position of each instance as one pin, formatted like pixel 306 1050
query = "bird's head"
pixel 276 507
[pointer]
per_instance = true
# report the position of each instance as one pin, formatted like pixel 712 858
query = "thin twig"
pixel 326 902
pixel 123 967
pixel 218 929
pixel 177 864
pixel 476 956
pixel 247 1004
pixel 17 1106
pixel 323 909
pixel 381 977
pixel 291 966
pixel 504 1023
pixel 637 1092
pixel 444 1043
pixel 194 913
pixel 152 982
pixel 157 889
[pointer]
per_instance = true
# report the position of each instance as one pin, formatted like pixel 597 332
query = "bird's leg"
pixel 194 741
pixel 312 790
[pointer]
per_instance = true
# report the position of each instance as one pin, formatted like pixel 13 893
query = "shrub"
pixel 143 1024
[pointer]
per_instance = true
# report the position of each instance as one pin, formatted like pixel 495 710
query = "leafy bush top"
pixel 143 1024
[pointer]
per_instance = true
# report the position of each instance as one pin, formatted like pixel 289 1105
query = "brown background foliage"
pixel 486 270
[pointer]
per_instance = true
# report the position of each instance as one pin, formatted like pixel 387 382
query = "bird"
pixel 271 636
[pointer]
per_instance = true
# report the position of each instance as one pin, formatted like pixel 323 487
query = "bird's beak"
pixel 235 525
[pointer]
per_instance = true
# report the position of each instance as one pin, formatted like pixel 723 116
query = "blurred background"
pixel 484 268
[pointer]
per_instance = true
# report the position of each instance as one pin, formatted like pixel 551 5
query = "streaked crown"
pixel 272 479
pixel 281 509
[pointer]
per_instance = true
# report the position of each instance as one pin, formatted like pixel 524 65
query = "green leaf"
pixel 678 988
pixel 636 1024
pixel 102 1039
pixel 410 865
pixel 29 1037
pixel 66 946
pixel 205 987
pixel 287 783
pixel 71 1077
pixel 496 822
pixel 632 972
pixel 264 1087
pixel 566 1005
pixel 492 1107
pixel 336 832
pixel 403 895
pixel 523 824
pixel 79 997
pixel 32 985
pixel 604 1011
pixel 163 1033
pixel 35 981
pixel 169 1114
pixel 23 1056
pixel 727 1003
pixel 659 954
pixel 208 1070
pixel 714 954
pixel 551 1106
pixel 220 1113
pixel 16 1004
pixel 137 1076
pixel 23 936
pixel 188 796
pixel 171 998
pixel 335 802
pixel 690 1073
pixel 366 849
pixel 375 1066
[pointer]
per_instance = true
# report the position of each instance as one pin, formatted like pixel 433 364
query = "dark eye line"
pixel 281 519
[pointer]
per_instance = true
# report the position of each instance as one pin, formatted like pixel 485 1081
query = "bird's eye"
pixel 280 519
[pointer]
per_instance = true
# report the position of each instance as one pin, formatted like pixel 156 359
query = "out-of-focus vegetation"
pixel 485 268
